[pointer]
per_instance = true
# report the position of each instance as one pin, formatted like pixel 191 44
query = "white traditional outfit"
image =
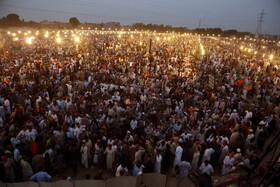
pixel 185 168
pixel 84 152
pixel 195 160
pixel 207 154
pixel 223 153
pixel 96 151
pixel 178 155
pixel 158 163
pixel 228 162
pixel 110 155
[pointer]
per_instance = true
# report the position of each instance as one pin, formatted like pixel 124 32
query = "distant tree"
pixel 74 22
pixel 11 20
pixel 230 33
pixel 14 18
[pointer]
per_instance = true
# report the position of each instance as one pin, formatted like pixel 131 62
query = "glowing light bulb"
pixel 58 40
pixel 77 39
pixel 29 41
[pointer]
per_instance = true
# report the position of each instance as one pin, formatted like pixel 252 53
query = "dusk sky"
pixel 242 15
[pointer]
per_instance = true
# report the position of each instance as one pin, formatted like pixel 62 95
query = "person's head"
pixel 87 176
pixel 64 176
pixel 206 162
pixel 157 152
pixel 138 164
pixel 123 165
pixel 255 155
pixel 4 158
pixel 238 150
pixel 83 142
pixel 40 168
pixel 47 156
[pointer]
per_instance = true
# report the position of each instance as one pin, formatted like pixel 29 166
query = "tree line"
pixel 13 20
pixel 211 31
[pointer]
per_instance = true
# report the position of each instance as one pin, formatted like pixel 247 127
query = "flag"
pixel 60 64
pixel 248 87
pixel 6 53
pixel 37 108
pixel 240 82
pixel 148 74
pixel 6 80
pixel 33 146
pixel 235 83
pixel 105 67
pixel 170 76
pixel 45 47
pixel 168 50
pixel 50 119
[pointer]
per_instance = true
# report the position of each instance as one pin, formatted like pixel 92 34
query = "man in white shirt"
pixel 77 131
pixel 133 124
pixel 14 140
pixel 178 155
pixel 185 168
pixel 206 168
pixel 138 154
pixel 186 135
pixel 121 169
pixel 227 163
pixel 7 105
pixel 43 124
pixel 207 154
pixel 31 133
pixel 17 155
pixel 248 115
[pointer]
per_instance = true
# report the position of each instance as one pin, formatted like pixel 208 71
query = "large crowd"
pixel 106 104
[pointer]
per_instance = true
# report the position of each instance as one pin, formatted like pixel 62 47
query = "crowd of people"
pixel 106 104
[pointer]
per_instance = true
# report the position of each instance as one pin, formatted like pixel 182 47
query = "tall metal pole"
pixel 261 20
